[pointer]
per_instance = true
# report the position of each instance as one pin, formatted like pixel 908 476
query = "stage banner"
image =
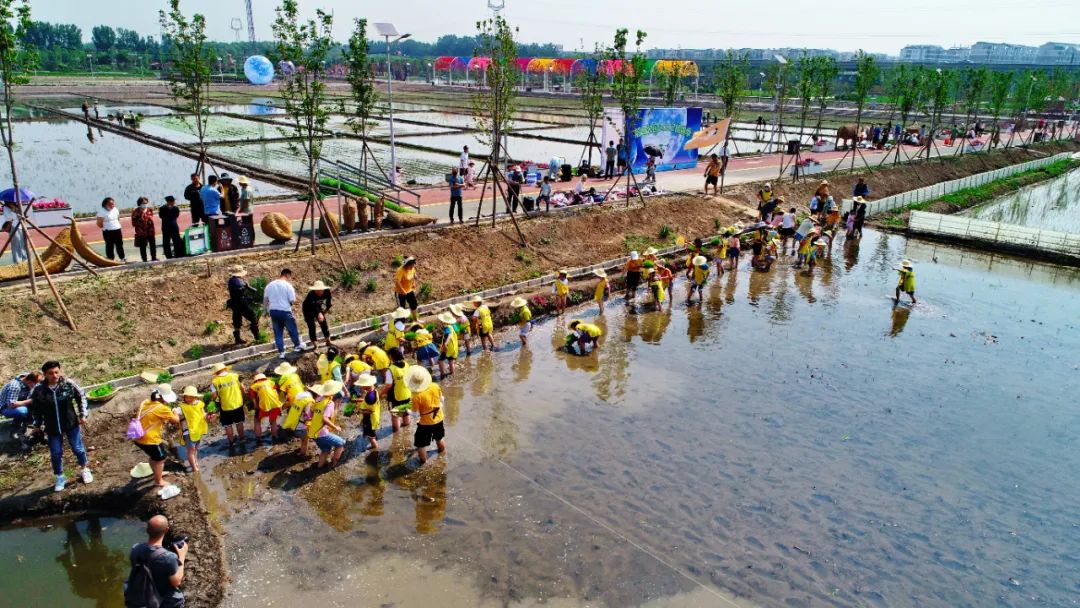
pixel 662 130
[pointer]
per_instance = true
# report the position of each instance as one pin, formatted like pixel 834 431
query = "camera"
pixel 175 545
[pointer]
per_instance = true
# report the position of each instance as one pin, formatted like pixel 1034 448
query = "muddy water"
pixel 1052 205
pixel 792 441
pixel 67 562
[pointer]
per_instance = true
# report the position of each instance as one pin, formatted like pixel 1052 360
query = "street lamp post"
pixel 388 31
pixel 90 56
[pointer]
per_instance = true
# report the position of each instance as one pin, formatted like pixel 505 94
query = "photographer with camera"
pixel 157 569
pixel 241 297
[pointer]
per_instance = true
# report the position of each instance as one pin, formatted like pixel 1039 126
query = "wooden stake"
pixel 48 279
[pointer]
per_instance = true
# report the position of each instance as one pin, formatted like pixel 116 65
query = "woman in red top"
pixel 142 220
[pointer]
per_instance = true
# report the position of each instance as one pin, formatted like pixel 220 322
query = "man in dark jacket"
pixel 58 406
pixel 194 199
pixel 241 296
pixel 170 229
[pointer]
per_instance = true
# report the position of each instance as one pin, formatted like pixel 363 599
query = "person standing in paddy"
pixel 448 346
pixel 322 427
pixel 267 405
pixel 193 417
pixel 427 399
pixel 405 286
pixel 483 324
pixel 108 219
pixel 58 406
pixel 229 393
pixel 600 292
pixel 278 298
pixel 561 289
pixel 524 318
pixel 906 283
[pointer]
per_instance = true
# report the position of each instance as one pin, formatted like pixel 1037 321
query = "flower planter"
pixel 823 147
pixel 55 216
pixel 805 170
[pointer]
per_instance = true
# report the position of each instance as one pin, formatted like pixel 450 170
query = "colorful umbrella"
pixel 8 196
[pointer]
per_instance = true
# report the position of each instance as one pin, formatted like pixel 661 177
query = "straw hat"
pixel 859 199
pixel 318 286
pixel 167 393
pixel 824 182
pixel 243 181
pixel 401 313
pixel 141 470
pixel 476 301
pixel 365 380
pixel 284 368
pixel 446 318
pixel 258 377
pixel 409 260
pixel 326 389
pixel 218 368
pixel 360 346
pixel 699 260
pixel 600 273
pixel 564 272
pixel 191 391
pixel 237 271
pixel 906 264
pixel 455 309
pixel 518 302
pixel 224 177
pixel 417 378
pixel 650 251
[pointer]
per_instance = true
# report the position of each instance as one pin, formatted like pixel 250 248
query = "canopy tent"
pixel 450 64
pixel 539 65
pixel 580 66
pixel 679 68
pixel 479 63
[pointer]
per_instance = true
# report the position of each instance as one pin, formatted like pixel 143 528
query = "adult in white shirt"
pixel 108 219
pixel 12 223
pixel 463 161
pixel 278 299
pixel 787 229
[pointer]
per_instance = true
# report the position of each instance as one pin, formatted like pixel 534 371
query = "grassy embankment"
pixel 969 197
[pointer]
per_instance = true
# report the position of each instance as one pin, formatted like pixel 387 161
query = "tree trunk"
pixel 9 143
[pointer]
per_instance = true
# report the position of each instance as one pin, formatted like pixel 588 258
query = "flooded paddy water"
pixel 793 440
pixel 1051 205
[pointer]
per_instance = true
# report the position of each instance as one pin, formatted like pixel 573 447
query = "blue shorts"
pixel 329 442
pixel 189 444
pixel 427 352
pixel 525 329
pixel 733 254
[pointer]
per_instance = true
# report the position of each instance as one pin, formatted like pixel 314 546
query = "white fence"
pixel 967 228
pixel 938 190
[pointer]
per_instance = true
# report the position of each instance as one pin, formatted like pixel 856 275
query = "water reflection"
pixel 1052 205
pixel 900 315
pixel 91 565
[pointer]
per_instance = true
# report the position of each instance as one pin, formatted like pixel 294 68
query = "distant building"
pixel 1058 53
pixel 922 53
pixel 1002 53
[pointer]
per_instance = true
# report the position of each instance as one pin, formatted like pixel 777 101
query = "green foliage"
pixel 673 80
pixel 360 76
pixel 119 305
pixel 263 337
pixel 348 278
pixel 304 94
pixel 523 257
pixel 371 286
pixel 825 73
pixel 591 85
pixel 17 59
pixel 665 232
pixel 627 78
pixel 192 61
pixel 195 352
pixel 973 83
pixel 164 377
pixel 101 391
pixel 425 292
pixel 212 327
pixel 731 79
pixel 866 76
pixel 397 261
pixel 806 71
pixel 717 224
pixel 493 105
pixel 907 84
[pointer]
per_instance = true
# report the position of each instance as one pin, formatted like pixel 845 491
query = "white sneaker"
pixel 87 476
pixel 281 355
pixel 59 485
pixel 301 348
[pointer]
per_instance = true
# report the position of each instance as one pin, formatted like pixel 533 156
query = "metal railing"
pixel 971 229
pixel 369 181
pixel 935 191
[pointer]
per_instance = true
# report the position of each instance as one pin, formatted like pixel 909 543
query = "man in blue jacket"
pixel 58 406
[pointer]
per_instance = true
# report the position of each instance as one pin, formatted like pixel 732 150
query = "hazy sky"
pixel 873 25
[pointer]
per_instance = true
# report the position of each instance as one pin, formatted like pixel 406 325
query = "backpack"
pixel 135 428
pixel 139 589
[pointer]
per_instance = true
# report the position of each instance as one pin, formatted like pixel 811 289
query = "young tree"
pixel 908 86
pixel 17 60
pixel 866 76
pixel 307 45
pixel 807 72
pixel 731 77
pixel 493 106
pixel 591 85
pixel 189 80
pixel 360 75
pixel 939 84
pixel 627 88
pixel 672 82
pixel 826 73
pixel 972 90
pixel 1000 85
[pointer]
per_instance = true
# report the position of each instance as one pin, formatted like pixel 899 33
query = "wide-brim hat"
pixel 259 376
pixel 650 251
pixel 237 271
pixel 476 301
pixel 906 264
pixel 191 391
pixel 166 392
pixel 600 273
pixel 517 302
pixel 417 378
pixel 634 255
pixel 243 181
pixel 284 368
pixel 446 318
pixel 562 272
pixel 141 470
pixel 401 313
pixel 859 199
pixel 224 176
pixel 455 309
pixel 218 368
pixel 318 286
pixel 365 380
pixel 326 389
pixel 699 260
pixel 361 345
pixel 409 260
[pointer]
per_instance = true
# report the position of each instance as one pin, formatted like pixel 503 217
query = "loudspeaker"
pixel 793 146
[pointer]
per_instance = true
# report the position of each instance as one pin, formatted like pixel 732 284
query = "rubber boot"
pixel 236 337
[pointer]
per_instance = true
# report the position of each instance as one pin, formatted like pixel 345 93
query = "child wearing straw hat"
pixel 698 277
pixel 288 382
pixel 229 392
pixel 482 323
pixel 524 318
pixel 561 289
pixel 395 330
pixel 192 414
pixel 398 392
pixel 461 324
pixel 906 283
pixel 428 401
pixel 426 351
pixel 153 414
pixel 601 291
pixel 448 349
pixel 370 407
pixel 321 427
pixel 267 405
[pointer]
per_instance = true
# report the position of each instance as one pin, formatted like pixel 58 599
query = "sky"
pixel 844 25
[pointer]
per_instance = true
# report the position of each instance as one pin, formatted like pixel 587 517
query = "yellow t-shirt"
pixel 589 328
pixel 358 367
pixel 562 288
pixel 229 392
pixel 289 385
pixel 700 275
pixel 378 357
pixel 316 422
pixel 601 289
pixel 429 403
pixel 423 338
pixel 266 397
pixel 524 315
pixel 450 343
pixel 153 415
pixel 301 401
pixel 194 418
pixel 484 313
pixel 401 390
pixel 404 280
pixel 394 337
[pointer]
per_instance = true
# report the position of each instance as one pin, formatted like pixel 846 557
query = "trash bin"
pixel 243 231
pixel 221 232
pixel 196 239
pixel 566 173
